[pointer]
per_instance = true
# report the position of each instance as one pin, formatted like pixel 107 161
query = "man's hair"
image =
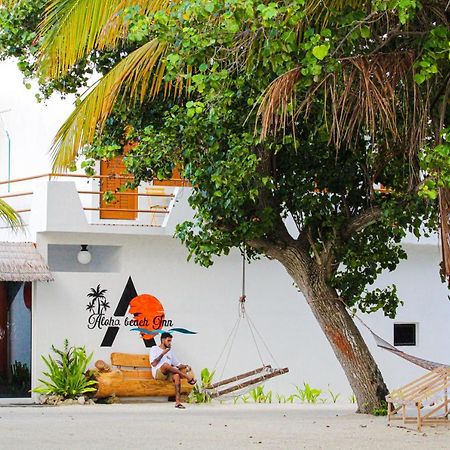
pixel 165 335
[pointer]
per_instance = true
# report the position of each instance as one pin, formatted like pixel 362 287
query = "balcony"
pixel 75 203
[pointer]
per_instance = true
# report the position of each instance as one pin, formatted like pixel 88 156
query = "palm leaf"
pixel 8 215
pixel 135 78
pixel 71 29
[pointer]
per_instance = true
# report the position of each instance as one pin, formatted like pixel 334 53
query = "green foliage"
pixel 437 164
pixel 381 411
pixel 229 53
pixel 66 375
pixel 334 396
pixel 259 396
pixel 20 376
pixel 307 394
pixel 352 398
pixel 198 394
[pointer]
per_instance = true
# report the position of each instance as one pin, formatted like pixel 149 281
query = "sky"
pixel 31 125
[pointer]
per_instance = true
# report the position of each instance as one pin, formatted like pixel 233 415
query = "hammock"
pixel 424 363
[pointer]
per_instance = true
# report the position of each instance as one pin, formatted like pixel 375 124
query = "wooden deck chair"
pixel 156 201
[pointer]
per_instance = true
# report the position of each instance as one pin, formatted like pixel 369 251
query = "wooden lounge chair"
pixel 428 395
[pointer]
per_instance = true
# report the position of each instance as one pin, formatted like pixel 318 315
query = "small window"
pixel 405 334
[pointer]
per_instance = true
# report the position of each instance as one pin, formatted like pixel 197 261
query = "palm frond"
pixel 137 77
pixel 277 103
pixel 71 29
pixel 9 3
pixel 371 97
pixel 9 216
pixel 318 13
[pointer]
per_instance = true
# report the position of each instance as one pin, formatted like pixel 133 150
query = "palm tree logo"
pixel 97 300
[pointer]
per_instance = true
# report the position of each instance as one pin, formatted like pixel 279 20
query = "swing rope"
pixel 263 373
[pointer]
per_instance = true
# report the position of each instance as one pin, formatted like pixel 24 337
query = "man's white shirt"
pixel 168 358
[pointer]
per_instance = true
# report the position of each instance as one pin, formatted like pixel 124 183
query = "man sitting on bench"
pixel 165 366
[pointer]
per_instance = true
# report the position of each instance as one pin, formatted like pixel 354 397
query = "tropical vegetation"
pixel 67 374
pixel 313 132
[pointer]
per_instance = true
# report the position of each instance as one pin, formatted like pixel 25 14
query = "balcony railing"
pixel 155 201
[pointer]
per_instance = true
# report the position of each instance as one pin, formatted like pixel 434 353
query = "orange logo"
pixel 148 313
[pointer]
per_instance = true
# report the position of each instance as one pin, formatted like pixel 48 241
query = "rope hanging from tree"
pixel 248 379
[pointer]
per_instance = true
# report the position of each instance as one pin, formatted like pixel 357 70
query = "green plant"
pixel 280 398
pixel 198 394
pixel 334 396
pixel 352 398
pixel 291 398
pixel 259 396
pixel 381 411
pixel 67 374
pixel 307 394
pixel 20 376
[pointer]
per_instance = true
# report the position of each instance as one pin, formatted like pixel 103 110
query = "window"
pixel 405 334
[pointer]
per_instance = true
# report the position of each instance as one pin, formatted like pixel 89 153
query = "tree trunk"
pixel 348 345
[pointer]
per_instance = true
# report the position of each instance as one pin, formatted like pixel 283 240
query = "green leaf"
pixel 419 78
pixel 320 51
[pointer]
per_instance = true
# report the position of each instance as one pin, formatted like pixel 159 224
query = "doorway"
pixel 15 339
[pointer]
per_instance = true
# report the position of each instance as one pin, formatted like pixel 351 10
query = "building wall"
pixel 206 301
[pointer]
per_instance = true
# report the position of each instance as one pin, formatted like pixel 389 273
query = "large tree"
pixel 327 115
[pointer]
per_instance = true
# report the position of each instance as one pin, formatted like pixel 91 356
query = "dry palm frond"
pixel 134 79
pixel 71 29
pixel 319 12
pixel 278 102
pixel 369 96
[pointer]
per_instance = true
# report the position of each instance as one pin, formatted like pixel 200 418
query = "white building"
pixel 63 214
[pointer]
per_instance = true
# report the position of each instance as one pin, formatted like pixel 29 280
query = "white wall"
pixel 31 125
pixel 199 299
pixel 206 301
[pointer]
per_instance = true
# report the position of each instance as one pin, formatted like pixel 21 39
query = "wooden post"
pixel 419 416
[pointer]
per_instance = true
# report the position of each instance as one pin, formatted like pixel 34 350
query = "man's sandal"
pixel 180 406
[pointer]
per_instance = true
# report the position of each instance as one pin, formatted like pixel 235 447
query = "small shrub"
pixel 67 374
pixel 381 411
pixel 308 394
pixel 198 394
pixel 259 396
pixel 334 396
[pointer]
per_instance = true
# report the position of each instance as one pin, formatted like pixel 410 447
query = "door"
pixel 126 203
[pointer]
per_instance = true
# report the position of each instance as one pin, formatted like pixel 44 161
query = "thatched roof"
pixel 20 261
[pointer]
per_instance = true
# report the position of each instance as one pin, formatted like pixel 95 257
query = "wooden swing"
pixel 253 377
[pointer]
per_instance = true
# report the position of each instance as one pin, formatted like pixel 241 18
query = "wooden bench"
pixel 133 378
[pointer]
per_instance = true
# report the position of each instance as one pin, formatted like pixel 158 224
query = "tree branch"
pixel 361 221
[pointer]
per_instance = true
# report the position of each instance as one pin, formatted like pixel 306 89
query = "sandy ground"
pixel 248 426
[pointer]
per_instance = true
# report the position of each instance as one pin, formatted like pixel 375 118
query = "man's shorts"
pixel 163 376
